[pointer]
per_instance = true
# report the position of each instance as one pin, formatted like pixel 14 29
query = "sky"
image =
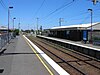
pixel 48 13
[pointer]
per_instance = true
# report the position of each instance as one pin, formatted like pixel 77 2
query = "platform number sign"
pixel 85 35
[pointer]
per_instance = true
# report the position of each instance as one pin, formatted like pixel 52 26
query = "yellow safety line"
pixel 40 58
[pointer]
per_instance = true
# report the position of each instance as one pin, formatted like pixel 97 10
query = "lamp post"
pixel 13 27
pixel 8 21
pixel 91 24
pixel 13 23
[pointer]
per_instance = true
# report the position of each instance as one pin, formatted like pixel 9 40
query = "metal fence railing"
pixel 4 39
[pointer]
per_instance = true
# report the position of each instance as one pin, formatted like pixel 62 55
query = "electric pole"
pixel 37 24
pixel 19 26
pixel 60 20
pixel 91 11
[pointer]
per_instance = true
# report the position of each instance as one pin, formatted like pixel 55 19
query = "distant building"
pixel 3 29
pixel 76 32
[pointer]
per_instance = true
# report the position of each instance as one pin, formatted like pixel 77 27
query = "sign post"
pixel 85 36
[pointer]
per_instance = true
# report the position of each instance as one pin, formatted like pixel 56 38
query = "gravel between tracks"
pixel 65 58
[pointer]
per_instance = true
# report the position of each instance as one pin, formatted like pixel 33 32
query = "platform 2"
pixel 88 49
pixel 20 59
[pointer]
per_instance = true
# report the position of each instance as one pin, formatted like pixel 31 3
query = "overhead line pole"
pixel 13 23
pixel 19 24
pixel 8 20
pixel 91 11
pixel 8 25
pixel 59 21
pixel 37 24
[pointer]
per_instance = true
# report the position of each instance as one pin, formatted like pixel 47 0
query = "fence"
pixel 4 39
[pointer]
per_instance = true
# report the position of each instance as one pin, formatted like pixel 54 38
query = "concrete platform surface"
pixel 19 59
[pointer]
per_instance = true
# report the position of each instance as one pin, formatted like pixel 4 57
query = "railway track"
pixel 73 62
pixel 75 53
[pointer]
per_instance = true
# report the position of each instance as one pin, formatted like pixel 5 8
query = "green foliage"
pixel 16 31
pixel 96 38
pixel 27 31
pixel 11 30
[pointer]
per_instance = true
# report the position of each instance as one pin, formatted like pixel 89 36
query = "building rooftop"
pixel 3 28
pixel 79 26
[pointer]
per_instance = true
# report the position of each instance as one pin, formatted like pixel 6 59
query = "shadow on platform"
pixel 18 53
pixel 1 70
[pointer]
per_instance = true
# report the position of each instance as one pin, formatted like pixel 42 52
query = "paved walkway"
pixel 19 59
pixel 76 42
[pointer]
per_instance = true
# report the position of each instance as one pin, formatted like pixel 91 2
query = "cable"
pixel 85 19
pixel 80 14
pixel 72 17
pixel 59 9
pixel 3 5
pixel 62 7
pixel 39 8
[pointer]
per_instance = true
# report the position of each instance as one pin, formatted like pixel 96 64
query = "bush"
pixel 96 38
pixel 16 31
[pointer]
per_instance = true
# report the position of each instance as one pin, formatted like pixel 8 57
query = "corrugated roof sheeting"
pixel 95 27
pixel 80 26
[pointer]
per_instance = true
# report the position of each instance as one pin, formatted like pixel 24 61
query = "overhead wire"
pixel 89 15
pixel 85 19
pixel 3 4
pixel 39 8
pixel 75 18
pixel 82 21
pixel 75 15
pixel 5 7
pixel 67 7
pixel 83 13
pixel 59 9
pixel 79 19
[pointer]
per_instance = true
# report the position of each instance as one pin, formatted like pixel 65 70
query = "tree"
pixel 16 31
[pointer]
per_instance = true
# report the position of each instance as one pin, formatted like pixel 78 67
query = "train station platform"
pixel 88 49
pixel 79 43
pixel 88 45
pixel 20 59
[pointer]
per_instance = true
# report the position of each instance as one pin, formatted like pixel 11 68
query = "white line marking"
pixel 59 69
pixel 97 49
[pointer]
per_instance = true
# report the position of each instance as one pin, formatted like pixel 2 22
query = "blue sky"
pixel 28 10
